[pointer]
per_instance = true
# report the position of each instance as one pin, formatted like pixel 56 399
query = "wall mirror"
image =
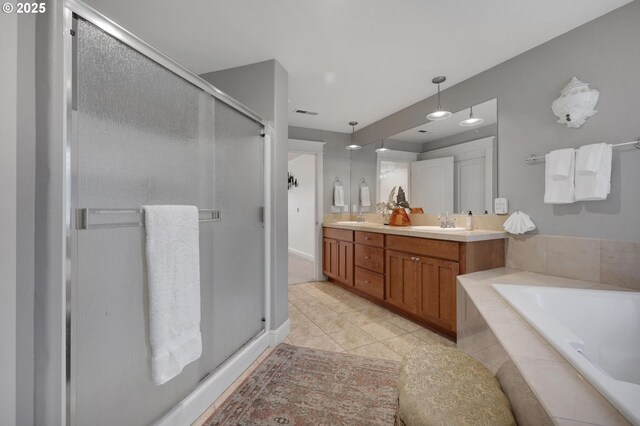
pixel 443 166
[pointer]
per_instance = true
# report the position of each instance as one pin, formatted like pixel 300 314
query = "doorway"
pixel 304 186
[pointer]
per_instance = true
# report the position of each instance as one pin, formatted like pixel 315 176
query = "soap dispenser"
pixel 469 224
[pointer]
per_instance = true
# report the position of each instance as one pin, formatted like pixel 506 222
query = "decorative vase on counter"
pixel 399 217
pixel 417 210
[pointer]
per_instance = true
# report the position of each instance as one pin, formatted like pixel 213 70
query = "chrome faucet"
pixel 446 222
pixel 360 217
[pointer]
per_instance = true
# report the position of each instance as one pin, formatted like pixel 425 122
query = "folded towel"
pixel 173 272
pixel 559 191
pixel 589 158
pixel 598 186
pixel 519 223
pixel 560 163
pixel 338 196
pixel 365 198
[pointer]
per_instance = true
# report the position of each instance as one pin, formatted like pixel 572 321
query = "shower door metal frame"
pixel 70 10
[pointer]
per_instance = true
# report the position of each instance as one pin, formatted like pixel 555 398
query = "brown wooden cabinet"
pixel 337 256
pixel 413 276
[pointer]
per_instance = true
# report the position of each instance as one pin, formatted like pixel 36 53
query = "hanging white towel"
pixel 559 191
pixel 519 223
pixel 338 196
pixel 589 158
pixel 365 198
pixel 598 186
pixel 173 272
pixel 560 163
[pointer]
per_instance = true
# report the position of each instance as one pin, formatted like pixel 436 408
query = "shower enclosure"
pixel 142 130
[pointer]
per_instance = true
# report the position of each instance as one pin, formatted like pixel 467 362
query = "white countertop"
pixel 407 231
pixel 568 398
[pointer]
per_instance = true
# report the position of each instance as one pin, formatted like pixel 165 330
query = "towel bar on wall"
pixel 85 215
pixel 533 158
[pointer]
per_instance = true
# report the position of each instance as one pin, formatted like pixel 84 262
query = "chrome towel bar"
pixel 131 217
pixel 533 158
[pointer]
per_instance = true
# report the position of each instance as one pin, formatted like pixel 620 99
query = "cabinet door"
pixel 402 280
pixel 329 257
pixel 344 263
pixel 437 295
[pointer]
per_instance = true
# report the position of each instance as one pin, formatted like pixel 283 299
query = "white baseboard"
pixel 302 254
pixel 192 407
pixel 277 336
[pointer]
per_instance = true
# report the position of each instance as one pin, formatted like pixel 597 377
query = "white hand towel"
pixel 519 223
pixel 173 272
pixel 560 163
pixel 598 186
pixel 365 199
pixel 589 158
pixel 559 191
pixel 338 196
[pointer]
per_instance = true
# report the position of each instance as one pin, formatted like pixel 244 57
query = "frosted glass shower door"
pixel 143 135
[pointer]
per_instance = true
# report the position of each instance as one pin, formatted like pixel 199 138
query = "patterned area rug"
pixel 300 386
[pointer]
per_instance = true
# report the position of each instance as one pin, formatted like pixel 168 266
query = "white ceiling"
pixel 352 59
pixel 442 128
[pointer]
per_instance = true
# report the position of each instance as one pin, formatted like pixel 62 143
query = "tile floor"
pixel 301 270
pixel 327 317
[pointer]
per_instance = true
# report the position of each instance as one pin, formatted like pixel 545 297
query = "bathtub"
pixel 597 331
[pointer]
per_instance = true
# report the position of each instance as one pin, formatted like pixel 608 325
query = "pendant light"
pixel 471 121
pixel 354 146
pixel 382 148
pixel 439 113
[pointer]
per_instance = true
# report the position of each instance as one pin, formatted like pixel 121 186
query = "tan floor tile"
pixel 377 312
pixel 357 317
pixel 323 343
pixel 319 312
pixel 404 344
pixel 430 337
pixel 404 323
pixel 306 302
pixel 306 330
pixel 352 338
pixel 340 307
pixel 382 330
pixel 376 350
pixel 330 324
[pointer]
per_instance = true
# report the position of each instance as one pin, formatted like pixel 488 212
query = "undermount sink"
pixel 435 228
pixel 351 222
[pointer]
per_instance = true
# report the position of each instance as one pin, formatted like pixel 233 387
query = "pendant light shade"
pixel 471 121
pixel 354 146
pixel 382 148
pixel 439 113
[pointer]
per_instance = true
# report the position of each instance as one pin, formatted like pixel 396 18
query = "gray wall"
pixel 263 87
pixel 605 53
pixel 468 136
pixel 335 160
pixel 8 219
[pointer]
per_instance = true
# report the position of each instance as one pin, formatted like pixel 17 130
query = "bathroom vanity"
pixel 411 272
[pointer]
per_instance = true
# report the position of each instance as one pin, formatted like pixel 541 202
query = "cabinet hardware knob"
pixel 366 258
pixel 366 281
pixel 366 238
pixel 417 259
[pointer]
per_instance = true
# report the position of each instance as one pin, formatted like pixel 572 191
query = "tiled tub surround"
pixel 587 259
pixel 492 331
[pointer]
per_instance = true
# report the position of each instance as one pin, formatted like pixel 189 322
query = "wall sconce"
pixel 291 181
pixel 575 104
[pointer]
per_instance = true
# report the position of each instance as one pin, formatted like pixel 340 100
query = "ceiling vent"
pixel 422 131
pixel 302 111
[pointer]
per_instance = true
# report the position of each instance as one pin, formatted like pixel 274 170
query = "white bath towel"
pixel 598 186
pixel 173 272
pixel 559 191
pixel 589 158
pixel 338 196
pixel 560 163
pixel 365 198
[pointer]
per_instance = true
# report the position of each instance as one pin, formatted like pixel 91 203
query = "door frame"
pixel 300 146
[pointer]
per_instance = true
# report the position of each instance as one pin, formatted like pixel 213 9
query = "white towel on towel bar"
pixel 338 196
pixel 559 191
pixel 589 158
pixel 365 198
pixel 598 186
pixel 173 272
pixel 560 163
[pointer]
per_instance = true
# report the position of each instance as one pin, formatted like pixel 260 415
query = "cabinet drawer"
pixel 338 234
pixel 371 258
pixel 370 282
pixel 433 248
pixel 370 238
